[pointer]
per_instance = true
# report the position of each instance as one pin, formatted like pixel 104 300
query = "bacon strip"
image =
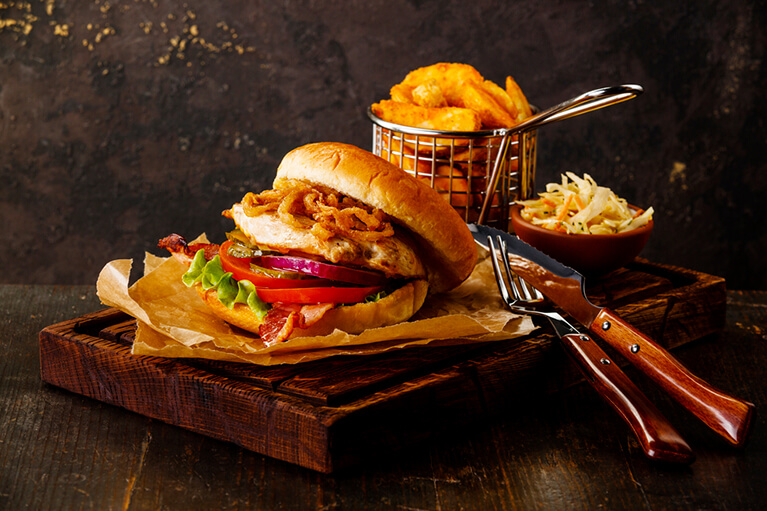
pixel 283 318
pixel 184 252
pixel 278 323
pixel 311 314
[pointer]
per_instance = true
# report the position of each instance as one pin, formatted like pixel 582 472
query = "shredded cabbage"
pixel 580 206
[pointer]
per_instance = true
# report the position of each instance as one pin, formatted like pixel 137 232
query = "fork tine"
pixel 515 288
pixel 497 270
pixel 536 295
pixel 530 290
pixel 528 293
pixel 524 294
pixel 509 274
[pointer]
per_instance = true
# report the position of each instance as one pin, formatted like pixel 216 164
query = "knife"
pixel 726 415
pixel 656 436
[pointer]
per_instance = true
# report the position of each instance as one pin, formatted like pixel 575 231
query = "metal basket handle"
pixel 584 103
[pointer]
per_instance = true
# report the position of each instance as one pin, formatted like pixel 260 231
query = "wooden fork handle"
pixel 657 437
pixel 728 416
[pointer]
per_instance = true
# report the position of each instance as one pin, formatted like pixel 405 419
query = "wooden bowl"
pixel 590 254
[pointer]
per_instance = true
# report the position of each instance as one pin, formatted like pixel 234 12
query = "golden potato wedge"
pixel 518 98
pixel 444 74
pixel 478 160
pixel 404 158
pixel 445 85
pixel 451 183
pixel 401 93
pixel 429 94
pixel 476 154
pixel 445 118
pixel 501 97
pixel 472 96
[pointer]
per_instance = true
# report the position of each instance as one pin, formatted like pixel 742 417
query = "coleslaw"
pixel 580 206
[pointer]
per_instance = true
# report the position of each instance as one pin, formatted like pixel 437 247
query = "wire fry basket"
pixel 482 173
pixel 461 165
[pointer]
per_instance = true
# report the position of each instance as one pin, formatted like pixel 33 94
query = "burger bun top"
pixel 446 245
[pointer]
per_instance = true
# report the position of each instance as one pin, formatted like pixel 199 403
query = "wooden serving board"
pixel 333 413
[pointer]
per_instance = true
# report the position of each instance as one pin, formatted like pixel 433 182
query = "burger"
pixel 344 240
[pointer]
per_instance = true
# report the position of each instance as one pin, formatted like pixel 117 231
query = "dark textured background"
pixel 121 122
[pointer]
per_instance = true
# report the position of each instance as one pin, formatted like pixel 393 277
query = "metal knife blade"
pixel 728 416
pixel 559 283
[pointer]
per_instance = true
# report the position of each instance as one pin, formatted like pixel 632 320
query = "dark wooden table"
pixel 59 450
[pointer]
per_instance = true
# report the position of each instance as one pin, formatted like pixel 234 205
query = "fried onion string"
pixel 324 211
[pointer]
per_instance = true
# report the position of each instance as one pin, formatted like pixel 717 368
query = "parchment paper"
pixel 174 322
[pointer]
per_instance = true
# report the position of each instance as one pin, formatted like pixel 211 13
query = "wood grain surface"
pixel 565 450
pixel 331 414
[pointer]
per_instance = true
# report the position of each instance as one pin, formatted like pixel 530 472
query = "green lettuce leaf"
pixel 377 296
pixel 211 275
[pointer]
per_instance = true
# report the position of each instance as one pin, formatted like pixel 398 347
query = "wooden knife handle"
pixel 728 416
pixel 658 438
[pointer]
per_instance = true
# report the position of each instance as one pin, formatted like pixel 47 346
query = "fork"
pixel 657 437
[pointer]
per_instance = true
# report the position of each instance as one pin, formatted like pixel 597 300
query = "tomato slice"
pixel 241 270
pixel 289 290
pixel 317 294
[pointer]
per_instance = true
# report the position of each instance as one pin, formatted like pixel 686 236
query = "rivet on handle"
pixel 605 361
pixel 606 325
pixel 634 348
pixel 584 338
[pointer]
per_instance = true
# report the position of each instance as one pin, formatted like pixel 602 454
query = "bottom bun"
pixel 394 308
pixel 240 315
